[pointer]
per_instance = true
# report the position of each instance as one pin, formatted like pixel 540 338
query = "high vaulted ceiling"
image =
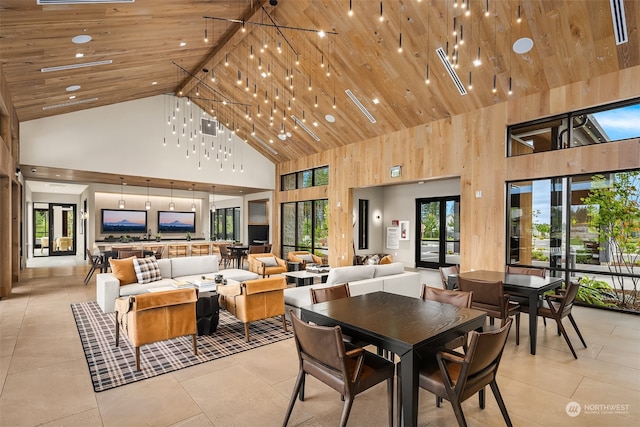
pixel 572 41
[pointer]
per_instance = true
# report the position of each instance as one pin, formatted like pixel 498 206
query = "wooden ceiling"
pixel 573 41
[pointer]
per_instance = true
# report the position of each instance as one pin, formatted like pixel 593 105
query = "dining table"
pixel 531 287
pixel 238 251
pixel 411 328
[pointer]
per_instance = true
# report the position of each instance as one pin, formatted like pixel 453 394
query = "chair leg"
pixel 566 337
pixel 117 330
pixel 575 326
pixel 87 278
pixel 137 358
pixel 457 410
pixel 292 401
pixel 390 400
pixel 517 328
pixel 195 344
pixel 503 408
pixel 481 398
pixel 346 409
pixel 246 331
pixel 398 396
pixel 301 393
pixel 284 322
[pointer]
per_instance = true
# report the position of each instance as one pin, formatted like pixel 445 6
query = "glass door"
pixel 40 229
pixel 438 240
pixel 62 227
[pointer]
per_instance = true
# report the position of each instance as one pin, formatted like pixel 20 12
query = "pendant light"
pixel 212 205
pixel 121 201
pixel 172 206
pixel 147 204
pixel 193 201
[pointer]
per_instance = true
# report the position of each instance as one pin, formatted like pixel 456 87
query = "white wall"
pixel 375 196
pixel 127 139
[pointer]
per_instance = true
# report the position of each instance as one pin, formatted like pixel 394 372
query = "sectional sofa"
pixel 108 286
pixel 362 279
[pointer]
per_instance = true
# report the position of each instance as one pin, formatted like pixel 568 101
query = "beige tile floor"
pixel 45 379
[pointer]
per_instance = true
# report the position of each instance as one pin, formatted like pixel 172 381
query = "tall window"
pixel 305 179
pixel 225 224
pixel 305 227
pixel 583 225
pixel 363 224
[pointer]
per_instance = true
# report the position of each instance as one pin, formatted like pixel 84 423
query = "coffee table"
pixel 305 278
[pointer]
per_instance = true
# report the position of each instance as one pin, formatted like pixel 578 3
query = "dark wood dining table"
pixel 531 287
pixel 238 251
pixel 410 327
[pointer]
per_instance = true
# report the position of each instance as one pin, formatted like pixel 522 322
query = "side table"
pixel 207 312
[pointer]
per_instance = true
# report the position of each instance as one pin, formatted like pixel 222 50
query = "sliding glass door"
pixel 438 237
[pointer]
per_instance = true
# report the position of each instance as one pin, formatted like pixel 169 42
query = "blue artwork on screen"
pixel 124 221
pixel 176 222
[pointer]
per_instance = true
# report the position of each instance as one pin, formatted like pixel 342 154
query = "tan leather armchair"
pixel 157 316
pixel 254 300
pixel 295 256
pixel 263 264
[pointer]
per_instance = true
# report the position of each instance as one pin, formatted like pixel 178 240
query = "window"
pixel 582 225
pixel 363 224
pixel 305 227
pixel 225 224
pixel 594 126
pixel 305 179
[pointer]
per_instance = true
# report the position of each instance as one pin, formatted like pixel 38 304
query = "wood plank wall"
pixel 473 147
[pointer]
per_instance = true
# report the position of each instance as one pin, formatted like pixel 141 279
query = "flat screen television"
pixel 124 221
pixel 176 222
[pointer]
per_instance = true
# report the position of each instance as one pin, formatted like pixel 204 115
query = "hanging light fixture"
pixel 172 206
pixel 212 205
pixel 193 201
pixel 147 204
pixel 121 201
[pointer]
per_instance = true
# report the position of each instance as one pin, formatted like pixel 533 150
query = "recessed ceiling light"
pixel 523 45
pixel 72 97
pixel 330 118
pixel 183 44
pixel 81 39
pixel 376 101
pixel 73 88
pixel 315 124
pixel 79 55
pixel 289 134
pixel 154 83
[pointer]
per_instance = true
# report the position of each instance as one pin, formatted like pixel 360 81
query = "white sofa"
pixel 362 279
pixel 108 287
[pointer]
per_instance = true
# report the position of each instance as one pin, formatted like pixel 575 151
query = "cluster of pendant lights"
pixel 172 205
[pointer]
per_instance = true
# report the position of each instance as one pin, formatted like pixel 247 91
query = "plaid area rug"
pixel 112 366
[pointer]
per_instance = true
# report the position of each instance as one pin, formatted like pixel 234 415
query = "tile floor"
pixel 45 380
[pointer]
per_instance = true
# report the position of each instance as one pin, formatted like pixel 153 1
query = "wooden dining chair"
pixel 490 298
pixel 557 307
pixel 456 377
pixel 322 354
pixel 527 271
pixel 129 253
pixel 459 299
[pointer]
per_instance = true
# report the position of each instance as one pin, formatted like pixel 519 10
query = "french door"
pixel 438 237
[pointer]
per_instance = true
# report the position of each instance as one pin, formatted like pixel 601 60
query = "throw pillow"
pixel 123 270
pixel 373 260
pixel 147 269
pixel 307 258
pixel 269 261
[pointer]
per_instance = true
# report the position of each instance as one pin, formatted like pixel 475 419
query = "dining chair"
pixel 97 263
pixel 459 299
pixel 122 254
pixel 456 377
pixel 557 307
pixel 158 252
pixel 322 354
pixel 329 294
pixel 225 255
pixel 490 298
pixel 528 271
pixel 445 272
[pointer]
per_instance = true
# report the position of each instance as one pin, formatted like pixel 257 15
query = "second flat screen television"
pixel 176 222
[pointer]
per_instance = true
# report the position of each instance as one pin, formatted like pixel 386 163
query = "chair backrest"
pixel 159 251
pixel 485 350
pixel 529 271
pixel 484 292
pixel 320 345
pixel 224 250
pixel 267 247
pixel 256 249
pixel 330 293
pixel 129 253
pixel 460 299
pixel 569 296
pixel 445 272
